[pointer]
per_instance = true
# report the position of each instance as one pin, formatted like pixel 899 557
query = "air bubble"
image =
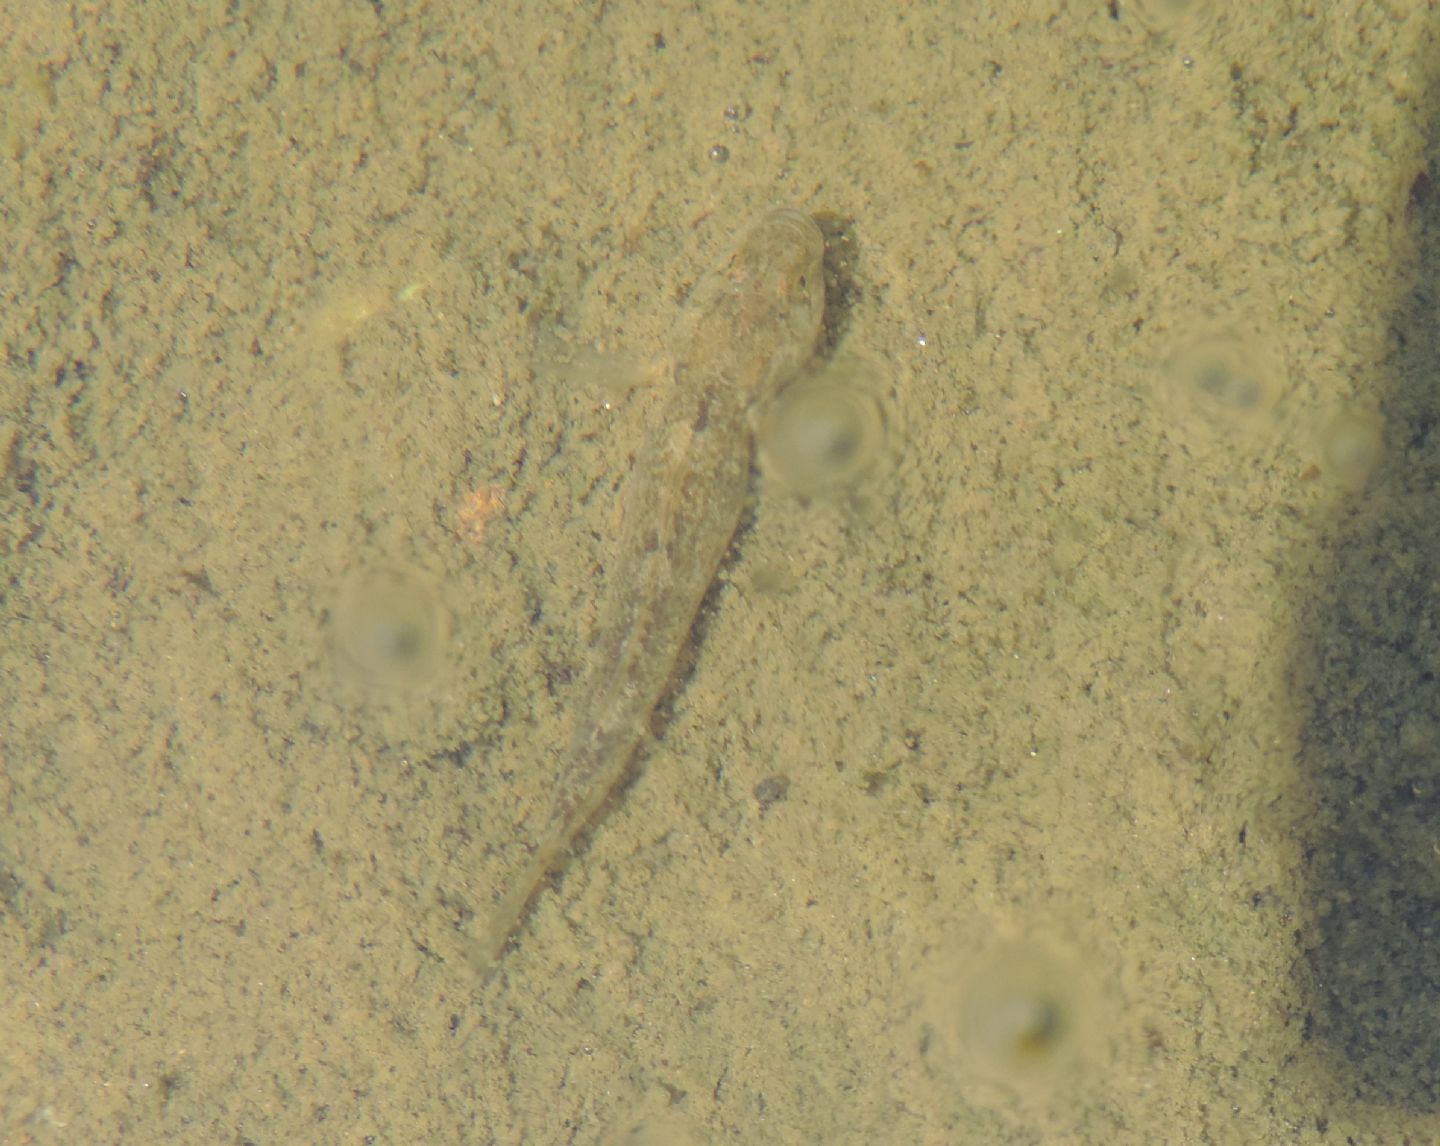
pixel 1019 1016
pixel 389 628
pixel 1175 18
pixel 1352 445
pixel 828 433
pixel 1223 388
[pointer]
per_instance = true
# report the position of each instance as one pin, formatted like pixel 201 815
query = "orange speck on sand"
pixel 476 510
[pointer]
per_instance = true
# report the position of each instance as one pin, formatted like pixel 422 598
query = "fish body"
pixel 754 329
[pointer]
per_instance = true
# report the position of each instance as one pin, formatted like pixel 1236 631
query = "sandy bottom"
pixel 1066 770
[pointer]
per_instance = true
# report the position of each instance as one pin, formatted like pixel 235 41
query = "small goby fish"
pixel 754 329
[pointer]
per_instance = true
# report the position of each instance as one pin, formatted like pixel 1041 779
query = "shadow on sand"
pixel 1368 668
